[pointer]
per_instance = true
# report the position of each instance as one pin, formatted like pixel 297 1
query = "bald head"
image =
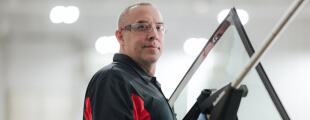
pixel 123 16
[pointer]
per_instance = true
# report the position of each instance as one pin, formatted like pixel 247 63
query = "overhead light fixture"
pixel 107 44
pixel 61 14
pixel 243 15
pixel 193 46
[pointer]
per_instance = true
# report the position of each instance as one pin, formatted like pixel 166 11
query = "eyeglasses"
pixel 145 28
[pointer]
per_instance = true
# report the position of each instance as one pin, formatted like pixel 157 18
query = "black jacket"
pixel 124 91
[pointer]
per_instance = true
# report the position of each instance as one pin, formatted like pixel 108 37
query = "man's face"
pixel 144 48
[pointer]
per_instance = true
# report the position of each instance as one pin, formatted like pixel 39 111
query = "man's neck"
pixel 149 69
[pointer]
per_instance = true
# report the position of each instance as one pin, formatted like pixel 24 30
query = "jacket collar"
pixel 130 62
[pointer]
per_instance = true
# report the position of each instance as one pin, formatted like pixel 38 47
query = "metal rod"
pixel 257 55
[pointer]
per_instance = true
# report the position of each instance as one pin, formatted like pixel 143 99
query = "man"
pixel 127 89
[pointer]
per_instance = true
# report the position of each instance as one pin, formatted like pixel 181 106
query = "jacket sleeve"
pixel 109 98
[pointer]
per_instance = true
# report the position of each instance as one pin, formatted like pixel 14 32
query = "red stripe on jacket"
pixel 87 111
pixel 139 112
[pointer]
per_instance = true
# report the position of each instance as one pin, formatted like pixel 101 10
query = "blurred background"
pixel 47 60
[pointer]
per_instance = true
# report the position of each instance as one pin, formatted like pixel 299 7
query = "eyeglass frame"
pixel 129 27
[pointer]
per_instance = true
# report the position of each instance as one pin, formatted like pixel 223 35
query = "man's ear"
pixel 119 37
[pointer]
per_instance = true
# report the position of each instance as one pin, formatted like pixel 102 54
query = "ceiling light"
pixel 56 14
pixel 61 14
pixel 193 46
pixel 72 14
pixel 107 44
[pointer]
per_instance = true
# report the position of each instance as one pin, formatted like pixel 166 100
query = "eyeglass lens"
pixel 145 27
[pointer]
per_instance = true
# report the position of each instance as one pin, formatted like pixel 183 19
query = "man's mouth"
pixel 150 46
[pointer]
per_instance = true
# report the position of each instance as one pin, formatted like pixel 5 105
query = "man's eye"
pixel 159 27
pixel 142 27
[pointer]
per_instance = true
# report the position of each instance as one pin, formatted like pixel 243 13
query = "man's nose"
pixel 153 35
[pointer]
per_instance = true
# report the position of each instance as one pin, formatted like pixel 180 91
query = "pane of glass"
pixel 223 64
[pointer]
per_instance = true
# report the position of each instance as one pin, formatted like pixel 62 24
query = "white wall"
pixel 44 80
pixel 3 88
